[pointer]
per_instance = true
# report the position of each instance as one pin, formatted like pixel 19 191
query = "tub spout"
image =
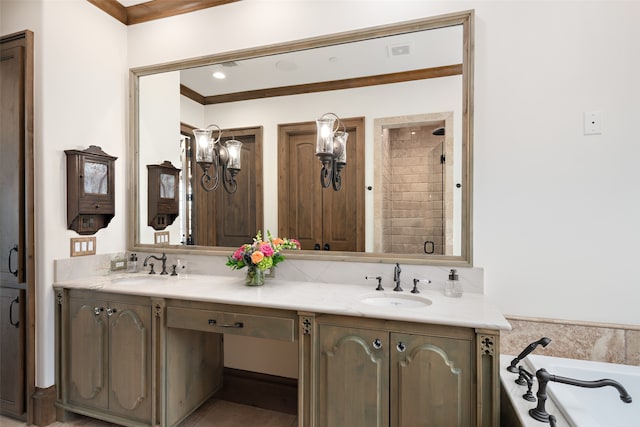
pixel 539 412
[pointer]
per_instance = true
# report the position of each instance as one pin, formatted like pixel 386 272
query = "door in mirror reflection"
pixel 321 219
pixel 223 219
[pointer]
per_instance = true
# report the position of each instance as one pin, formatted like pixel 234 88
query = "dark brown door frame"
pixel 26 39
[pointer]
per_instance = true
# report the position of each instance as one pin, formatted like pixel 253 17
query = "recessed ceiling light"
pixel 218 75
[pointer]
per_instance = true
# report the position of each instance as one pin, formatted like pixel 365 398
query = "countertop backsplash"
pixel 292 269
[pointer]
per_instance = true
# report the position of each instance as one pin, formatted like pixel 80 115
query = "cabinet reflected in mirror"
pixel 434 80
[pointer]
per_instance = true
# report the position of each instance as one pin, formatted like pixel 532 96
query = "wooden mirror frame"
pixel 464 18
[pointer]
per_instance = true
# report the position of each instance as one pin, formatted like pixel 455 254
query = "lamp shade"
pixel 234 149
pixel 204 145
pixel 324 138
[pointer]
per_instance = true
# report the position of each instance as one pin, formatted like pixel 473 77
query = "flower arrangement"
pixel 261 254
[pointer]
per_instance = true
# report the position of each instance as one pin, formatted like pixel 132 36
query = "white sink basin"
pixel 400 301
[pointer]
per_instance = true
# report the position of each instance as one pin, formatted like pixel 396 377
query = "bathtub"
pixel 576 406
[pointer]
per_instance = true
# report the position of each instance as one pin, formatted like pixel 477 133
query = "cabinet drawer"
pixel 258 326
pixel 94 206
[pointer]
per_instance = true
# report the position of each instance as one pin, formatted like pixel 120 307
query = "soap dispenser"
pixel 453 287
pixel 132 266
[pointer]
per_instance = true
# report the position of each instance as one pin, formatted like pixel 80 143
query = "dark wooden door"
pixel 223 219
pixel 320 218
pixel 12 231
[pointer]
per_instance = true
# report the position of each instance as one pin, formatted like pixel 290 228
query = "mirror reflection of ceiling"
pixel 391 54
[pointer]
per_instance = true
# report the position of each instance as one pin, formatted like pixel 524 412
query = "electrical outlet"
pixel 593 122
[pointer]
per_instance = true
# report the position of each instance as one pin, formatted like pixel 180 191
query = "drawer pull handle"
pixel 214 322
pixel 235 325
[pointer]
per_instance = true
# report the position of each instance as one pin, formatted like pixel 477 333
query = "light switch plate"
pixel 80 246
pixel 161 237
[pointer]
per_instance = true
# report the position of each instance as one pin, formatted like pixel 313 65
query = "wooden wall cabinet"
pixel 90 189
pixel 163 199
pixel 105 356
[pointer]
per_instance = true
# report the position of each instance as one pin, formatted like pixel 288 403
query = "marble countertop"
pixel 471 310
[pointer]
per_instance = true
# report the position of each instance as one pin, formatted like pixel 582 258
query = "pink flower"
pixel 266 249
pixel 237 255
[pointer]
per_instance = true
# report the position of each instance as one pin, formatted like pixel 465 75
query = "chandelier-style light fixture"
pixel 225 159
pixel 331 149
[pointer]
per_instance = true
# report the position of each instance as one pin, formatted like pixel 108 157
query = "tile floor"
pixel 214 413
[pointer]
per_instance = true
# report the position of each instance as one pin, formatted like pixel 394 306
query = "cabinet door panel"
pixel 354 377
pixel 433 379
pixel 12 331
pixel 130 370
pixel 88 353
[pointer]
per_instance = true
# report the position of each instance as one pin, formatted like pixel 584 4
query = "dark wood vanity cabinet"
pixel 163 198
pixel 90 189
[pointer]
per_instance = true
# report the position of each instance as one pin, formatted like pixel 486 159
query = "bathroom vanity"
pixel 145 350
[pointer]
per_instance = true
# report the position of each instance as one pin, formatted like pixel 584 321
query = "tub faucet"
pixel 544 341
pixel 539 412
pixel 396 277
pixel 163 258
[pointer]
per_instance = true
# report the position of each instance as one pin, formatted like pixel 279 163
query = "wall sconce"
pixel 331 149
pixel 225 159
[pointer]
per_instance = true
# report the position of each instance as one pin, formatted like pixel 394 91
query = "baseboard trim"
pixel 259 390
pixel 44 408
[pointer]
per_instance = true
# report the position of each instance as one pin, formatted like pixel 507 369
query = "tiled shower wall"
pixel 416 195
pixel 574 340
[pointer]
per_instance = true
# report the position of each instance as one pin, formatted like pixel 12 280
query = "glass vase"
pixel 255 277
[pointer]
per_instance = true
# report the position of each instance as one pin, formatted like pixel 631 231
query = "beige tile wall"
pixel 574 340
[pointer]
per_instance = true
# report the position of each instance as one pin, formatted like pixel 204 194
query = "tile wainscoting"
pixel 575 340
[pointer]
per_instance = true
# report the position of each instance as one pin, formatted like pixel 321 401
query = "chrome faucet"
pixel 539 412
pixel 396 277
pixel 164 263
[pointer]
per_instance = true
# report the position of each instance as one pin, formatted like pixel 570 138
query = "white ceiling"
pixel 426 49
pixel 127 3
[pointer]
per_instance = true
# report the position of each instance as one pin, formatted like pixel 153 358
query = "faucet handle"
pixel 415 285
pixel 379 279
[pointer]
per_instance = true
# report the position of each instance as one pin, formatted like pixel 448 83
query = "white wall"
pixel 555 212
pixel 159 134
pixel 81 89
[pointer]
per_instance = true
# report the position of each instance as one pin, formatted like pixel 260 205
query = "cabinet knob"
pixel 111 311
pixel 97 310
pixel 377 344
pixel 401 347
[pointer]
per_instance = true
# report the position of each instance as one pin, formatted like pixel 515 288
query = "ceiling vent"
pixel 399 49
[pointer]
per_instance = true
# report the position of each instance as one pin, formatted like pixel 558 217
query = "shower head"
pixel 438 131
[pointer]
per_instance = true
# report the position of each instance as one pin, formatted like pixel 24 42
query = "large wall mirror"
pixel 404 90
